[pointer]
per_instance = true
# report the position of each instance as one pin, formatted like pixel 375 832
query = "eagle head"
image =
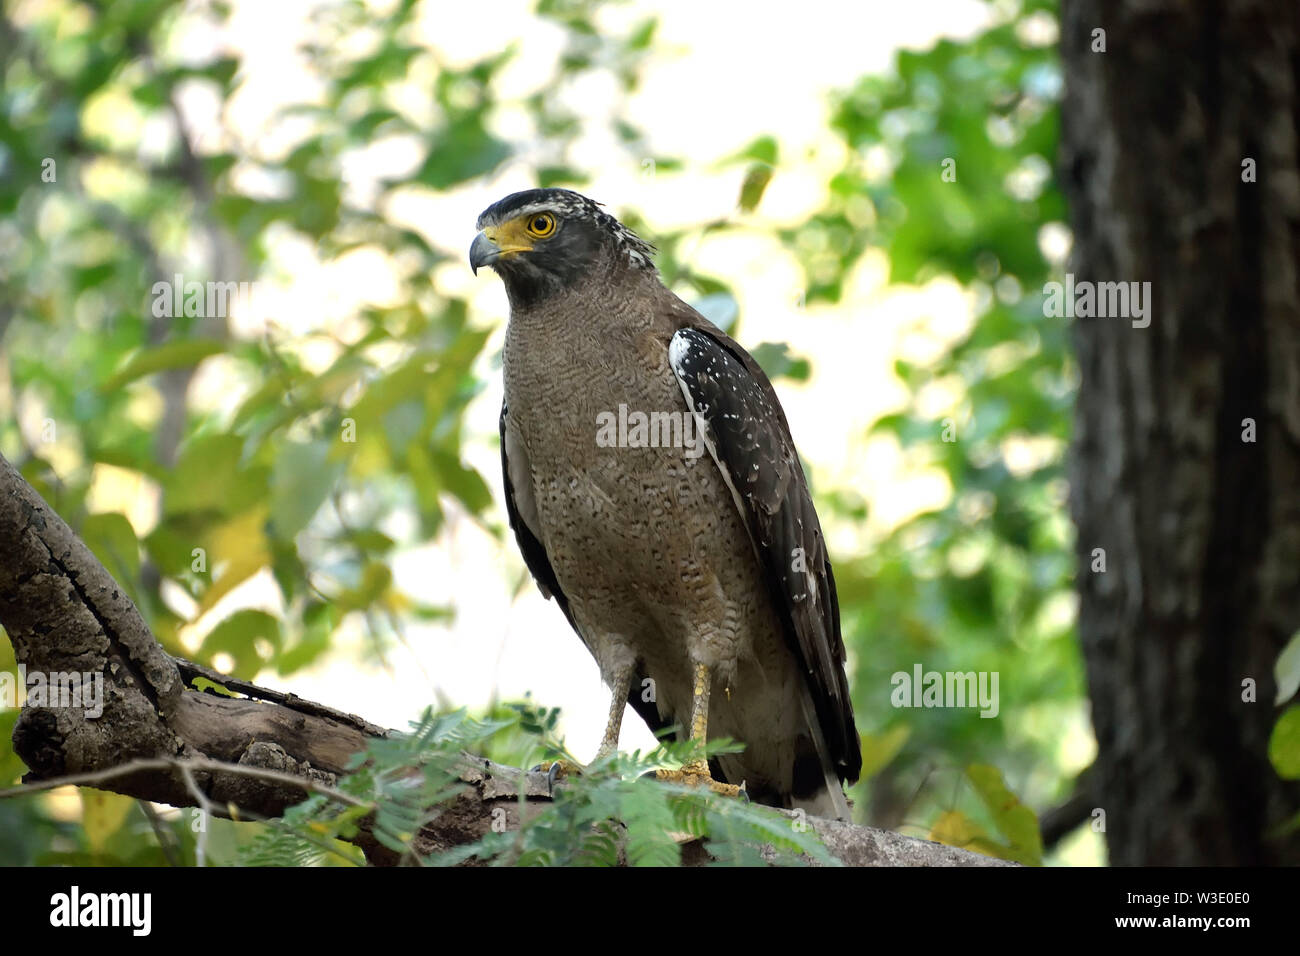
pixel 543 240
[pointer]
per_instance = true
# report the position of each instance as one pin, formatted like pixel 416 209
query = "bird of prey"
pixel 699 582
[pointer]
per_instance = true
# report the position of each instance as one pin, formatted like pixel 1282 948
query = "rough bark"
pixel 63 612
pixel 1200 528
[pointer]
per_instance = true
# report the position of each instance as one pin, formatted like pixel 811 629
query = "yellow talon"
pixel 697 775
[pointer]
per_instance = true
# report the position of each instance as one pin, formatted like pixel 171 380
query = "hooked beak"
pixel 483 252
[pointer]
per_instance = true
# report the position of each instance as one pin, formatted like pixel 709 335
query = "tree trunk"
pixel 1186 462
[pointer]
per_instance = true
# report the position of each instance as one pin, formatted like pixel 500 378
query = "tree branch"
pixel 1060 821
pixel 162 740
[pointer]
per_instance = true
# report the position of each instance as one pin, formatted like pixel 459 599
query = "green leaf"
pixel 301 479
pixel 1284 745
pixel 1014 820
pixel 775 359
pixel 643 36
pixel 1286 671
pixel 237 636
pixel 112 539
pixel 751 190
pixel 318 621
pixel 170 548
pixel 376 579
pixel 762 150
pixel 266 397
pixel 207 477
pixel 178 354
pixel 466 484
pixel 462 150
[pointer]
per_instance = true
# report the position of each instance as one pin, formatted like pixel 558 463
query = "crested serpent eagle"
pixel 699 582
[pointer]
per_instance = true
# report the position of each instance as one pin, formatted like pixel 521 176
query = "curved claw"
pixel 696 776
pixel 554 770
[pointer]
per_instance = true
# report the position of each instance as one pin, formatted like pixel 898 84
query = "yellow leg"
pixel 700 715
pixel 622 682
pixel 619 687
pixel 696 773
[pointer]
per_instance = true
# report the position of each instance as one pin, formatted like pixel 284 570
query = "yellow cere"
pixel 513 236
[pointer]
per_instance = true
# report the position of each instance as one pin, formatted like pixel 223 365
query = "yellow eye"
pixel 541 225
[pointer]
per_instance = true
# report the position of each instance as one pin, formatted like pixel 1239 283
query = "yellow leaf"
pixel 240 549
pixel 102 815
pixel 956 829
pixel 879 749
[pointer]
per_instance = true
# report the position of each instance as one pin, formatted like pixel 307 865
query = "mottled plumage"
pixel 705 573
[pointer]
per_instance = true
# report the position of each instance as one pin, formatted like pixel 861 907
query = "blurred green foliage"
pixel 984 583
pixel 1284 743
pixel 301 475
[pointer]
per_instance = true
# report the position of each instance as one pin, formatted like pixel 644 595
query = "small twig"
pixel 205 807
pixel 167 841
pixel 186 766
